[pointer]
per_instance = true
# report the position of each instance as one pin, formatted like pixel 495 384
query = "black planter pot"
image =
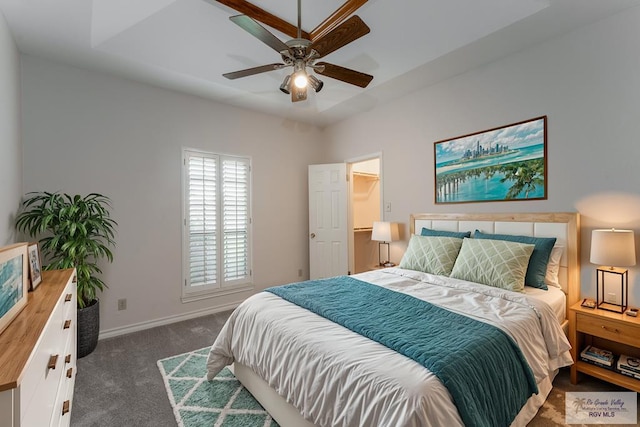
pixel 88 328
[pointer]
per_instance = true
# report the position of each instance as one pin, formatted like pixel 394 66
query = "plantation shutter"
pixel 202 221
pixel 235 218
pixel 217 221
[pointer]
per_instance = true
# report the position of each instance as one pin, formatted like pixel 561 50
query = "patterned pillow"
pixel 459 234
pixel 431 254
pixel 539 258
pixel 496 263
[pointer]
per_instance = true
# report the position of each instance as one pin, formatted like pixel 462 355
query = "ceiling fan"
pixel 302 52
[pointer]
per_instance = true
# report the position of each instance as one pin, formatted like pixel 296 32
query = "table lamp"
pixel 384 232
pixel 612 249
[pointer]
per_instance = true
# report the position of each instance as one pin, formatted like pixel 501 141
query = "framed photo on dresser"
pixel 35 265
pixel 14 282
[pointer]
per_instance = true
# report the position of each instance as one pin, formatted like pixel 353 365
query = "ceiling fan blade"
pixel 344 74
pixel 335 19
pixel 350 30
pixel 261 15
pixel 255 29
pixel 251 71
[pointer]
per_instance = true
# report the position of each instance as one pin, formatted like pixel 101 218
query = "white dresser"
pixel 38 356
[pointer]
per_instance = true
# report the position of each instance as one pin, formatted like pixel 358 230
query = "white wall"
pixel 10 147
pixel 84 131
pixel 587 83
pixel 89 132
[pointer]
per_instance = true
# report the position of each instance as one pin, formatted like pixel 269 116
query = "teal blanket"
pixel 482 367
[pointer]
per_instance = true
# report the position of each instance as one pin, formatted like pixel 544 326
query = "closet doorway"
pixel 365 207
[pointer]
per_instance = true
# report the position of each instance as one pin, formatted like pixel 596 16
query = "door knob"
pixel 312 235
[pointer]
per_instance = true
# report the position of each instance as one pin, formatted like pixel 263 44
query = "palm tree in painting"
pixel 526 176
pixel 488 172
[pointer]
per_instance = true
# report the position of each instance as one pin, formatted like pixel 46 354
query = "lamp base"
pixel 612 307
pixel 622 296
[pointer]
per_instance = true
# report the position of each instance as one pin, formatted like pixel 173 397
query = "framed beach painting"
pixel 501 164
pixel 14 282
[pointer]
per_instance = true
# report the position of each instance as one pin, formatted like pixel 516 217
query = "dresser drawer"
pixel 45 366
pixel 45 373
pixel 69 303
pixel 31 380
pixel 609 329
pixel 62 408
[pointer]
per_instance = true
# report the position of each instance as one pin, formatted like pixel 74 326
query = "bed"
pixel 307 370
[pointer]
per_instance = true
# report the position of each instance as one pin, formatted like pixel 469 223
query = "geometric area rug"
pixel 196 402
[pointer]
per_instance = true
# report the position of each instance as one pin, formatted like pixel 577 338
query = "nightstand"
pixel 607 330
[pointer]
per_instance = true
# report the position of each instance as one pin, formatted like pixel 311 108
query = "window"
pixel 216 225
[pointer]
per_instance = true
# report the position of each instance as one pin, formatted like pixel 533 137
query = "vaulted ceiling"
pixel 187 45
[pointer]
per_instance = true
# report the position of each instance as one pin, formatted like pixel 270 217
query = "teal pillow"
pixel 496 263
pixel 537 268
pixel 442 233
pixel 431 254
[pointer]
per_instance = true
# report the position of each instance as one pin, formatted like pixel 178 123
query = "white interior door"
pixel 328 237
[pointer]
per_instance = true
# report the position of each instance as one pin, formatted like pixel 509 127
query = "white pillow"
pixel 553 267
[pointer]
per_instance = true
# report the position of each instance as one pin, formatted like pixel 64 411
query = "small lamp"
pixel 611 249
pixel 384 232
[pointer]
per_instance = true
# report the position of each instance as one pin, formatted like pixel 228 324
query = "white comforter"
pixel 336 377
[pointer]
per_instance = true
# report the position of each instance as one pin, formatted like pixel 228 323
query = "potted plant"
pixel 74 231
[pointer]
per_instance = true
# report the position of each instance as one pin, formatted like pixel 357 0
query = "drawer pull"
pixel 67 359
pixel 67 324
pixel 69 372
pixel 614 330
pixel 53 360
pixel 75 279
pixel 65 406
pixel 68 297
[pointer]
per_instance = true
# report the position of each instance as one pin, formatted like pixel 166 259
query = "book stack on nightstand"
pixel 598 357
pixel 629 366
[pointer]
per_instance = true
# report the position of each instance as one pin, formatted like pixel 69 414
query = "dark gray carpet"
pixel 119 384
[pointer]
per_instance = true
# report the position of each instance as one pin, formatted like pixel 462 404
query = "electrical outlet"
pixel 387 207
pixel 612 297
pixel 122 304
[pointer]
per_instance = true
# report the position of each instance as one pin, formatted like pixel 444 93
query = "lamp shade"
pixel 613 248
pixel 385 231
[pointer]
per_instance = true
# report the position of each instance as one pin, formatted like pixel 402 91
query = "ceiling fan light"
pixel 301 80
pixel 298 94
pixel 284 87
pixel 315 83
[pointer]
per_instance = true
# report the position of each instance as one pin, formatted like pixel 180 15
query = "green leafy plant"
pixel 77 232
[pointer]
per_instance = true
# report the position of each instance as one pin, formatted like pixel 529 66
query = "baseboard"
pixel 114 332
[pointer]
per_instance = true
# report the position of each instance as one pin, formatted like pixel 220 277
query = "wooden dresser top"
pixel 18 340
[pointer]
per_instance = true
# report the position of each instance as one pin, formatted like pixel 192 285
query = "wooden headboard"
pixel 564 226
